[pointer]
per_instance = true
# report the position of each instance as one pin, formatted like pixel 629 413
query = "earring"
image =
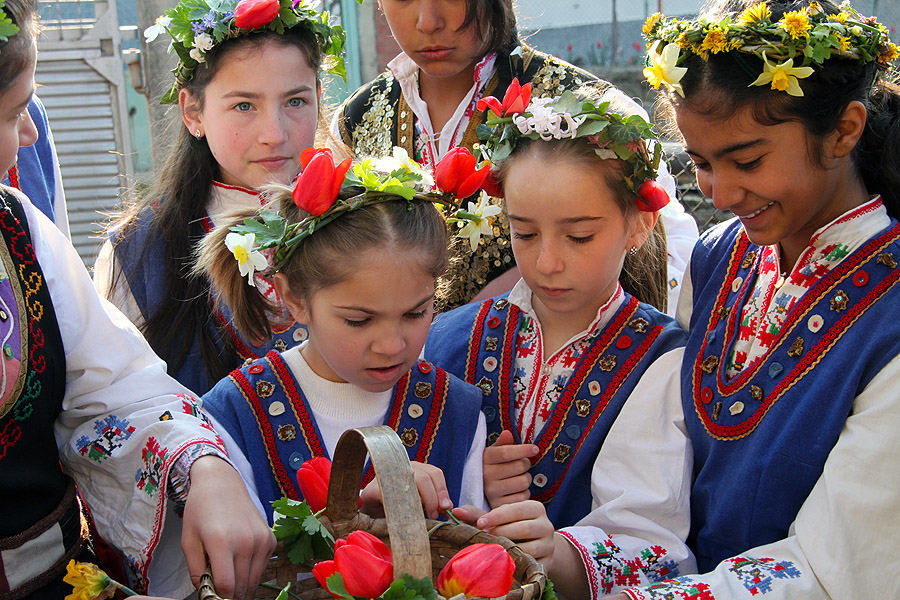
pixel 632 251
pixel 198 134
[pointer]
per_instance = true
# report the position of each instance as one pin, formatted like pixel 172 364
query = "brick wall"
pixel 385 45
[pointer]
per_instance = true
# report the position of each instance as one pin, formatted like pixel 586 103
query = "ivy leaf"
pixel 300 532
pixel 410 588
pixel 7 29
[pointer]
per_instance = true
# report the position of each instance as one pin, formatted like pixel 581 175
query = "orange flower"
pixel 479 570
pixel 457 173
pixel 364 562
pixel 319 182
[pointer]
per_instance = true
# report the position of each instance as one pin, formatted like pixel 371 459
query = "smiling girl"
pixel 249 104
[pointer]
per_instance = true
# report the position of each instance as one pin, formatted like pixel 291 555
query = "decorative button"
pixel 736 408
pixel 3 315
pixel 711 336
pixel 492 438
pixel 706 395
pixel 545 369
pixel 403 139
pixel 280 345
pixel 673 283
pixel 501 304
pixel 402 114
pixel 287 433
pixel 573 431
pixel 562 453
pixel 539 480
pixel 403 127
pixel 607 363
pixel 639 325
pixel 300 334
pixel 490 343
pixel 623 342
pixel 709 364
pixel 490 364
pixel 815 323
pixel 594 388
pixel 717 410
pixel 756 393
pixel 737 283
pixel 860 278
pixel 255 369
pixel 796 348
pixel 774 369
pixel 748 260
pixel 276 408
pixel 839 301
pixel 415 411
pixel 724 312
pixel 422 389
pixel 582 407
pixel 265 388
pixel 248 361
pixel 886 259
pixel 489 413
pixel 424 367
pixel 295 461
pixel 486 386
pixel 409 437
pixel 493 322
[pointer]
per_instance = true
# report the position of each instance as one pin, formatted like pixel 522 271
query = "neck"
pixel 444 94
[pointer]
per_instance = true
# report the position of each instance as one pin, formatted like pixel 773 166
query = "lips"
pixel 757 212
pixel 273 162
pixel 385 374
pixel 553 292
pixel 436 52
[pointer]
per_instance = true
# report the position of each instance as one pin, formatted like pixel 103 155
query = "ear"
pixel 294 302
pixel 849 129
pixel 190 112
pixel 642 225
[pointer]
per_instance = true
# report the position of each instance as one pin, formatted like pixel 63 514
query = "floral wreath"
pixel 809 36
pixel 615 136
pixel 7 27
pixel 198 26
pixel 324 191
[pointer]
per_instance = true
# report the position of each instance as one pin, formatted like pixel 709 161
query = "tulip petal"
pixel 364 574
pixel 340 172
pixel 492 103
pixel 479 570
pixel 473 182
pixel 313 187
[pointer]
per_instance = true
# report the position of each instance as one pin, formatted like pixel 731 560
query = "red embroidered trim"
pixel 588 561
pixel 307 427
pixel 475 341
pixel 438 403
pixel 507 364
pixel 14 177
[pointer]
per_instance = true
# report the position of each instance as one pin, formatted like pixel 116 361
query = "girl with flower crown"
pixel 790 370
pixel 572 350
pixel 431 100
pixel 84 400
pixel 247 86
pixel 354 254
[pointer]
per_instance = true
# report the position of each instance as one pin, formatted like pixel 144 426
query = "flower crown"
pixel 318 190
pixel 198 26
pixel 809 36
pixel 615 136
pixel 7 27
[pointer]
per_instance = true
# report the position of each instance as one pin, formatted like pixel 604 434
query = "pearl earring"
pixel 198 134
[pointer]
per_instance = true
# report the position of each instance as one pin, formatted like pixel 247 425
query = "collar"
pixel 225 199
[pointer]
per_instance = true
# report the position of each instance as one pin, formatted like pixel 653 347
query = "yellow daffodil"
pixel 249 258
pixel 841 17
pixel 651 21
pixel 663 69
pixel 796 23
pixel 88 582
pixel 758 13
pixel 889 55
pixel 783 76
pixel 715 41
pixel 479 216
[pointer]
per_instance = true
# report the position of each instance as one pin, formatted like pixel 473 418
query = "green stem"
pixel 451 516
pixel 272 586
pixel 128 591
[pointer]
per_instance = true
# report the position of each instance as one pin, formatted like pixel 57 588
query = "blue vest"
pixel 761 438
pixel 262 406
pixel 141 258
pixel 476 342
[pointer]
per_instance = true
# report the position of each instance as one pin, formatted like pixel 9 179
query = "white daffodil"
pixel 249 258
pixel 402 160
pixel 478 217
pixel 197 55
pixel 203 42
pixel 152 32
pixel 783 76
pixel 663 69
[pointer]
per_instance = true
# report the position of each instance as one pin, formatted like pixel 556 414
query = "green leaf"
pixel 283 594
pixel 410 588
pixel 7 29
pixel 335 585
pixel 300 532
pixel 549 592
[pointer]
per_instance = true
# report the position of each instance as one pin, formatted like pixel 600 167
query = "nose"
pixel 725 190
pixel 273 130
pixel 389 342
pixel 550 259
pixel 431 19
pixel 28 133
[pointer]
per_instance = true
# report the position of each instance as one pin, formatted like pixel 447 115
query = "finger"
pixel 440 487
pixel 261 559
pixel 509 485
pixel 511 499
pixel 504 439
pixel 507 453
pixel 427 494
pixel 223 574
pixel 194 556
pixel 468 514
pixel 240 562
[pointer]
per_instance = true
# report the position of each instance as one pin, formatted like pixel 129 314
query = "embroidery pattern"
pixel 682 588
pixel 112 432
pixel 616 571
pixel 150 477
pixel 372 136
pixel 758 574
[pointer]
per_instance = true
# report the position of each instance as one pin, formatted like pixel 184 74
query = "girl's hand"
pixel 506 465
pixel 525 523
pixel 468 514
pixel 222 526
pixel 431 486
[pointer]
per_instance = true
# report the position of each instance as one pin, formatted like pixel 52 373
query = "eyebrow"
pixel 374 313
pixel 566 221
pixel 255 95
pixel 729 149
pixel 27 101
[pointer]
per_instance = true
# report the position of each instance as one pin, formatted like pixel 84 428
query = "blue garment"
pixel 476 342
pixel 35 164
pixel 761 439
pixel 433 412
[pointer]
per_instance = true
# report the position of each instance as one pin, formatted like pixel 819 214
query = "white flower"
pixel 249 258
pixel 152 32
pixel 203 42
pixel 408 164
pixel 479 220
pixel 546 122
pixel 197 55
pixel 663 69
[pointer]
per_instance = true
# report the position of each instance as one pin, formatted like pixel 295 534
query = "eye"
pixel 748 166
pixel 416 315
pixel 581 239
pixel 356 322
pixel 243 106
pixel 297 102
pixel 698 165
pixel 522 236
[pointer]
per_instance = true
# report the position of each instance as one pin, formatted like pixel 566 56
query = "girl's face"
pixel 569 235
pixel 428 31
pixel 259 112
pixel 16 127
pixel 764 175
pixel 369 329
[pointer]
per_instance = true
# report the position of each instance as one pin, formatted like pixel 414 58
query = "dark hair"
pixel 496 20
pixel 20 48
pixel 326 258
pixel 719 86
pixel 178 200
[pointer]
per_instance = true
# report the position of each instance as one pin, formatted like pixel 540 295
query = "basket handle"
pixel 410 547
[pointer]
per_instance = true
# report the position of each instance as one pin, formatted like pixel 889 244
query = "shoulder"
pixel 548 74
pixel 357 104
pixel 670 332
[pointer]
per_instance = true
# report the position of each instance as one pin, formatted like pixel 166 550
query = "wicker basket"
pixel 404 528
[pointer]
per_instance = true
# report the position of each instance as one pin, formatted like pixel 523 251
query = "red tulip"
pixel 312 478
pixel 492 185
pixel 253 14
pixel 479 570
pixel 457 174
pixel 364 562
pixel 515 100
pixel 652 196
pixel 320 181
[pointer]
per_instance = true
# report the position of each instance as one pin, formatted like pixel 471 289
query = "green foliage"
pixel 301 533
pixel 410 588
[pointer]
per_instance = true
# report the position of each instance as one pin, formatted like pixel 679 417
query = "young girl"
pixel 561 354
pixel 360 272
pixel 84 398
pixel 245 124
pixel 454 52
pixel 790 370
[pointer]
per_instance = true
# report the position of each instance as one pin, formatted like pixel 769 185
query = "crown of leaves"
pixel 808 36
pixel 7 27
pixel 198 26
pixel 615 136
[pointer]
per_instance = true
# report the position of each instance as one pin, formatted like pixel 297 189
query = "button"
pixel 265 388
pixel 539 480
pixel 501 304
pixel 255 369
pixel 415 411
pixel 280 345
pixel 582 407
pixel 3 315
pixel 424 367
pixel 562 453
pixel 756 393
pixel 573 431
pixel 490 343
pixel 296 460
pixel 300 334
pixel 489 413
pixel 860 278
pixel 490 364
pixel 493 322
pixel 623 342
pixel 815 323
pixel 774 369
pixel 736 408
pixel 287 433
pixel 545 369
pixel 711 336
pixel 276 408
pixel 737 283
pixel 594 388
pixel 706 395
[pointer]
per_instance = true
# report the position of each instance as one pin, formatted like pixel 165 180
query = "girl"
pixel 561 354
pixel 789 377
pixel 360 271
pixel 84 398
pixel 245 124
pixel 454 52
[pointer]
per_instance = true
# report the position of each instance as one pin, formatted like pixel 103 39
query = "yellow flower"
pixel 783 76
pixel 682 41
pixel 651 22
pixel 715 41
pixel 796 23
pixel 814 9
pixel 663 69
pixel 757 13
pixel 844 42
pixel 88 582
pixel 842 17
pixel 889 55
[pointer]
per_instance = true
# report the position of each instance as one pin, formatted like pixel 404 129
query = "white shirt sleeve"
pixel 685 307
pixel 640 485
pixel 472 488
pixel 106 265
pixel 681 235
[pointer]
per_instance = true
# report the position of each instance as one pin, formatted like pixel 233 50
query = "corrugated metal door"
pixel 81 81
